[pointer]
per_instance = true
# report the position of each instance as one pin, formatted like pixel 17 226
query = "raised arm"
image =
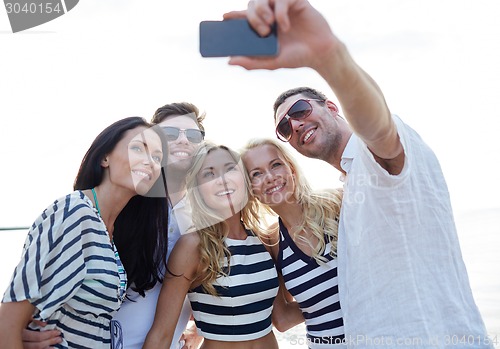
pixel 182 267
pixel 306 40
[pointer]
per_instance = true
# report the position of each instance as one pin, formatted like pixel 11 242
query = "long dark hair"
pixel 140 230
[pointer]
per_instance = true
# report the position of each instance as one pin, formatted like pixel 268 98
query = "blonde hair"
pixel 320 209
pixel 210 226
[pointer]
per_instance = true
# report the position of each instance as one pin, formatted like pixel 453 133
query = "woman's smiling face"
pixel 135 161
pixel 221 183
pixel 271 177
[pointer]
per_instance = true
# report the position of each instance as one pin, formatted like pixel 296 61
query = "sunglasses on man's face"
pixel 193 135
pixel 301 109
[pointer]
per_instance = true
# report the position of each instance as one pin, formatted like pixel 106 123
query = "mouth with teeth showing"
pixel 181 154
pixel 272 190
pixel 308 135
pixel 225 192
pixel 143 174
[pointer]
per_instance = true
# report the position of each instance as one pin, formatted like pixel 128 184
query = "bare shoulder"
pixel 185 256
pixel 186 246
pixel 189 240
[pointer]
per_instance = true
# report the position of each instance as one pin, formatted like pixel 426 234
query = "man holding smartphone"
pixel 402 280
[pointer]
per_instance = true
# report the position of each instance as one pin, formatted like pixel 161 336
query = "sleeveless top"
pixel 242 308
pixel 315 288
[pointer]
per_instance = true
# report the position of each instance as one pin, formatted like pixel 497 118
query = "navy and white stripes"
pixel 68 271
pixel 315 288
pixel 242 309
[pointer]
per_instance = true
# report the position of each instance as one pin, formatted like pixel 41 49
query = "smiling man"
pixel 183 128
pixel 402 280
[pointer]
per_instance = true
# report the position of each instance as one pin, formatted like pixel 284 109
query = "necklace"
pixel 96 202
pixel 122 290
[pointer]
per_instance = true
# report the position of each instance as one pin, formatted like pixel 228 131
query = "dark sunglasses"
pixel 299 110
pixel 193 135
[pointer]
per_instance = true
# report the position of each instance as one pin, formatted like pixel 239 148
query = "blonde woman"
pixel 223 267
pixel 305 241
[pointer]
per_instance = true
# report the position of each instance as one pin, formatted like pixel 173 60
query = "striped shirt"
pixel 242 309
pixel 315 288
pixel 69 272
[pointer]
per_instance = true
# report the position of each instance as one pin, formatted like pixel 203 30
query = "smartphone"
pixel 235 37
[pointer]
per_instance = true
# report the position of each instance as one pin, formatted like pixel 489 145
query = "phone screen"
pixel 235 37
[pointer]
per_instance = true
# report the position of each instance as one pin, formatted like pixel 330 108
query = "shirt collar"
pixel 180 204
pixel 348 155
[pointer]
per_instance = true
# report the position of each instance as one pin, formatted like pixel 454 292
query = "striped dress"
pixel 315 288
pixel 242 309
pixel 69 272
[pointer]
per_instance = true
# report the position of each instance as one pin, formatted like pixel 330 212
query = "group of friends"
pixel 164 226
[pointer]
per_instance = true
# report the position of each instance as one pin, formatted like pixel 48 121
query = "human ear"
pixel 105 162
pixel 332 106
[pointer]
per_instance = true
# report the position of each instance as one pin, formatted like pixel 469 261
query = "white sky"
pixel 61 83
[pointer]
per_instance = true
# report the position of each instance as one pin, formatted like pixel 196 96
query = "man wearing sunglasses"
pixel 182 125
pixel 402 280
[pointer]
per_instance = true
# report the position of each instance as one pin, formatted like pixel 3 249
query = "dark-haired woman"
pixel 70 275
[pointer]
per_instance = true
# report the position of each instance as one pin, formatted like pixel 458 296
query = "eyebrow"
pixel 159 151
pixel 270 162
pixel 225 165
pixel 142 141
